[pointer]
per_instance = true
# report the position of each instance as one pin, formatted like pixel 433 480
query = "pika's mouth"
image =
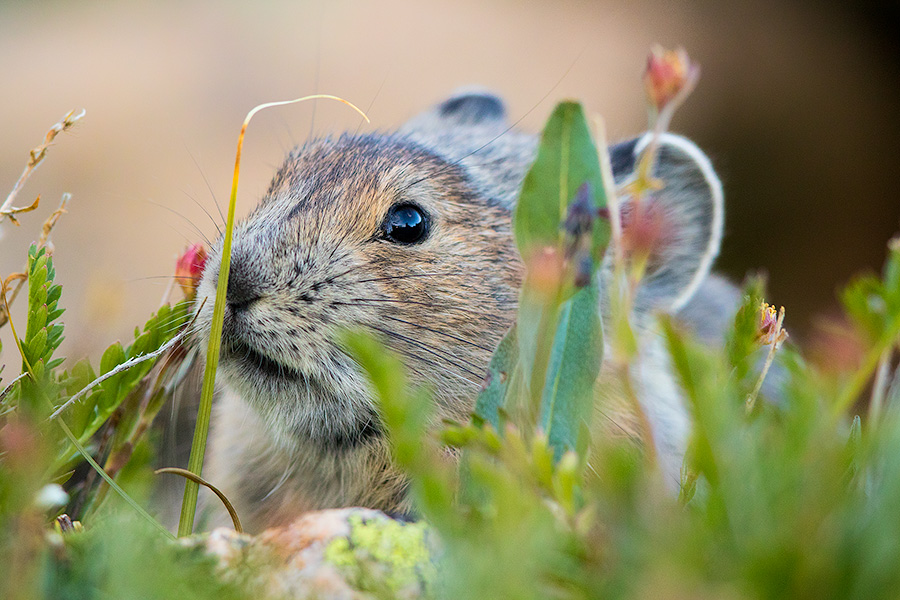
pixel 246 355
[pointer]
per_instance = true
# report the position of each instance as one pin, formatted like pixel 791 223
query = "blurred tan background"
pixel 797 106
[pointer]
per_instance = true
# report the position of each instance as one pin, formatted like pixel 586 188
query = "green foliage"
pixel 110 422
pixel 123 558
pixel 89 414
pixel 42 335
pixel 787 502
pixel 574 364
pixel 502 370
pixel 797 499
pixel 874 307
pixel 533 373
pixel 566 159
pixel 874 303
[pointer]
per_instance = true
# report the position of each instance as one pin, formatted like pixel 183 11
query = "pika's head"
pixel 407 234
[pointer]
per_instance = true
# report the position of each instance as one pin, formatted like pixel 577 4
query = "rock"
pixel 342 554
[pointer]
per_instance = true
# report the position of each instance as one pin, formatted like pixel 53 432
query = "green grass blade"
pixel 109 480
pixel 201 431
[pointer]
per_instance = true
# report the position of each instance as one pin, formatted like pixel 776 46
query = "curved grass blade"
pixel 201 431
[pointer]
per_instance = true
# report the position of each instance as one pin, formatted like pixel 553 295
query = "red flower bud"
pixel 189 269
pixel 668 73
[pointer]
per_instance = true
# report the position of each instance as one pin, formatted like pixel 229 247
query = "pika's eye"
pixel 405 224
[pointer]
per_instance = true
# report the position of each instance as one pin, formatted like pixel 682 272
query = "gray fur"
pixel 296 428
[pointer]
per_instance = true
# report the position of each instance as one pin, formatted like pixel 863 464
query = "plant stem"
pixel 770 358
pixel 201 431
pixel 7 210
pixel 122 367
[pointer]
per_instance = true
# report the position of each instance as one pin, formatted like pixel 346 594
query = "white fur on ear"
pixel 718 208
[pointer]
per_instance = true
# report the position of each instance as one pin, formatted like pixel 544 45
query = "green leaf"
pixel 864 300
pixel 566 159
pixel 112 357
pixel 35 347
pixel 37 320
pixel 892 274
pixel 493 396
pixel 572 370
pixel 741 343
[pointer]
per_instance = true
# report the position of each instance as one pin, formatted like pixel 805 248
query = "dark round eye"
pixel 405 224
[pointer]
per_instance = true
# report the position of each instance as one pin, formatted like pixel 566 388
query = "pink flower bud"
pixel 189 269
pixel 668 73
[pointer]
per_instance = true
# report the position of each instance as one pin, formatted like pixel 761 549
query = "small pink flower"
pixel 770 329
pixel 668 73
pixel 189 269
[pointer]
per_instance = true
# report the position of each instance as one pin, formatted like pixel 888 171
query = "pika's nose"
pixel 243 288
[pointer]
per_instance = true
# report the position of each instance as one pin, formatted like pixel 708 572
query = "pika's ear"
pixel 685 216
pixel 465 107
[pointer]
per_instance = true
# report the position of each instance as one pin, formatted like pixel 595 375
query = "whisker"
pixel 441 355
pixel 188 221
pixel 369 107
pixel 413 302
pixel 284 477
pixel 209 187
pixel 606 416
pixel 334 278
pixel 430 363
pixel 407 276
pixel 439 332
pixel 149 277
pixel 195 201
pixel 312 123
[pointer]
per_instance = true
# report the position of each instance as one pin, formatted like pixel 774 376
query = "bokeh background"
pixel 797 106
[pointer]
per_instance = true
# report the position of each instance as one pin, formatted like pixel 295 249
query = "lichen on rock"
pixel 383 555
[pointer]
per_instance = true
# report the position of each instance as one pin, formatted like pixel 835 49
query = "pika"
pixel 408 234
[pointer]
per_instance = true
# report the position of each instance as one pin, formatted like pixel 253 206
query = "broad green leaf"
pixel 566 159
pixel 572 370
pixel 493 396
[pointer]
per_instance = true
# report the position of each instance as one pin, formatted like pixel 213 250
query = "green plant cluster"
pixel 43 472
pixel 796 498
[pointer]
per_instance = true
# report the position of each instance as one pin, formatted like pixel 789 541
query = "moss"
pixel 384 556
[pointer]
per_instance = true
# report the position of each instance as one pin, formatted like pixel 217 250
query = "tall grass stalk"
pixel 201 431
